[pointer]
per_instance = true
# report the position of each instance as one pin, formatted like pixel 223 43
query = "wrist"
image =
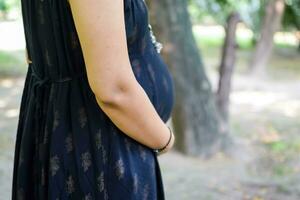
pixel 166 145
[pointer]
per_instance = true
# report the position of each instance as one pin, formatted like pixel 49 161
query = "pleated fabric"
pixel 66 146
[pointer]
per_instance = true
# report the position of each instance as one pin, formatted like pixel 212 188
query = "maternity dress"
pixel 66 146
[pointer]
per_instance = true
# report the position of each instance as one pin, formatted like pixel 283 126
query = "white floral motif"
pixel 70 185
pixel 104 157
pixel 135 183
pixel 86 160
pixel 100 183
pixel 142 152
pixel 82 117
pixel 120 170
pixel 98 139
pixel 127 144
pixel 146 191
pixel 99 145
pixel 88 197
pixel 105 194
pixel 54 164
pixel 69 143
pixel 56 120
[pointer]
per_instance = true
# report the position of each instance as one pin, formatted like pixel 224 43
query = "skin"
pixel 27 59
pixel 101 30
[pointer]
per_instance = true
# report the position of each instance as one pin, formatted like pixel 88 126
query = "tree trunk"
pixel 298 36
pixel 271 23
pixel 227 67
pixel 195 117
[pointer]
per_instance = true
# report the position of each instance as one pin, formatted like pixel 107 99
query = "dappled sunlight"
pixel 290 108
pixel 286 38
pixel 11 36
pixel 258 101
pixel 3 103
pixel 211 31
pixel 7 83
pixel 11 113
pixel 243 32
pixel 9 89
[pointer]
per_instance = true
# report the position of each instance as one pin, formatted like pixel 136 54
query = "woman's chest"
pixel 136 20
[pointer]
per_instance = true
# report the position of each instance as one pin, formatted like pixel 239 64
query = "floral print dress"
pixel 66 146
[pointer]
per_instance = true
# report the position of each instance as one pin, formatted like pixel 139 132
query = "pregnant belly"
pixel 153 75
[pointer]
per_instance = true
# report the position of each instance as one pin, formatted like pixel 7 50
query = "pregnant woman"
pixel 95 103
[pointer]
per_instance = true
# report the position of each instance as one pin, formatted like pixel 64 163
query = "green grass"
pixel 278 146
pixel 284 152
pixel 283 64
pixel 12 63
pixel 245 42
pixel 285 146
pixel 282 170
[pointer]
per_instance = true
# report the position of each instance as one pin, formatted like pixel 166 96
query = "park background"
pixel 236 69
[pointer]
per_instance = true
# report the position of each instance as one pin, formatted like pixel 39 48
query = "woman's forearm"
pixel 132 112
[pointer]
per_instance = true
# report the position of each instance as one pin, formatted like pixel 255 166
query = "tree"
pixel 291 18
pixel 271 23
pixel 195 117
pixel 227 67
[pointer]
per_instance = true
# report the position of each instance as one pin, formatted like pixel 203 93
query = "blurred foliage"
pixel 251 11
pixel 218 10
pixel 12 63
pixel 8 5
pixel 3 5
pixel 292 14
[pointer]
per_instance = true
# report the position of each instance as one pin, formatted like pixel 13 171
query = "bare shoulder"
pixel 95 19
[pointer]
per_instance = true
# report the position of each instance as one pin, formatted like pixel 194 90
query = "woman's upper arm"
pixel 101 31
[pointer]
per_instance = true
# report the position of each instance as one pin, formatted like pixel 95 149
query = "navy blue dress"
pixel 66 146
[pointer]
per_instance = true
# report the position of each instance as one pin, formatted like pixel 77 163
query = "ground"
pixel 264 163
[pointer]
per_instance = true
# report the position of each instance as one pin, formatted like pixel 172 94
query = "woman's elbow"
pixel 112 93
